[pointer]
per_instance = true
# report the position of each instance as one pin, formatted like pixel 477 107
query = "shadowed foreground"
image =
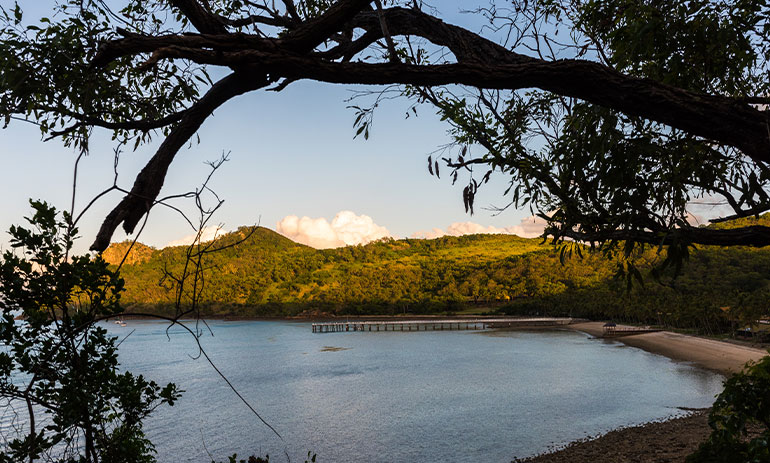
pixel 669 441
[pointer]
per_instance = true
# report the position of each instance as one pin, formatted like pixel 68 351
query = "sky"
pixel 294 166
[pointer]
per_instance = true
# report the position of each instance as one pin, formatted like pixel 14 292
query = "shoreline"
pixel 670 440
pixel 666 441
pixel 719 356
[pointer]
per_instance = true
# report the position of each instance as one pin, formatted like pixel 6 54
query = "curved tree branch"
pixel 720 119
pixel 481 63
pixel 302 52
pixel 150 180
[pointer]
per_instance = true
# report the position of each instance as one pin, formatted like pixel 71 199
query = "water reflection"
pixel 401 396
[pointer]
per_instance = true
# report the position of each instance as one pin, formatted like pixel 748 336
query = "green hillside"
pixel 763 219
pixel 269 275
pixel 270 270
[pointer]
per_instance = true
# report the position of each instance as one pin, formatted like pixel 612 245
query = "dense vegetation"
pixel 269 275
pixel 64 397
pixel 741 407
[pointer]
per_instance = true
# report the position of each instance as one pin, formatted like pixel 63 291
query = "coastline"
pixel 668 441
pixel 719 356
pixel 657 442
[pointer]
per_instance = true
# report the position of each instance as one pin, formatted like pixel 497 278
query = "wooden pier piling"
pixel 441 325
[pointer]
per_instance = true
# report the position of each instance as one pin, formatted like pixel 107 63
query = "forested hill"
pixel 269 275
pixel 763 219
pixel 269 269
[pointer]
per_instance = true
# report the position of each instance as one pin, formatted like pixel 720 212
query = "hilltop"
pixel 269 270
pixel 270 275
pixel 260 239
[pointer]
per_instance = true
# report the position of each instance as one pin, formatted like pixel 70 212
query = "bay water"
pixel 398 396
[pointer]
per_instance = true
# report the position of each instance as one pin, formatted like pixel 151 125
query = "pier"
pixel 437 325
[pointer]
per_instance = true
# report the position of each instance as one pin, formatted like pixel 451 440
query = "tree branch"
pixel 747 213
pixel 201 18
pixel 481 64
pixel 755 235
pixel 316 31
pixel 150 180
pixel 717 118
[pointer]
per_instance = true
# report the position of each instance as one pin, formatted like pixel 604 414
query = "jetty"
pixel 438 325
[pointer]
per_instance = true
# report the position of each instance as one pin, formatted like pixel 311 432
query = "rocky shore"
pixel 665 442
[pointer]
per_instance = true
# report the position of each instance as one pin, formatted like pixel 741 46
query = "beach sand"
pixel 668 441
pixel 723 357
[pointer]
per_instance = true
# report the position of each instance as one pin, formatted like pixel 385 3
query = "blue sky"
pixel 291 153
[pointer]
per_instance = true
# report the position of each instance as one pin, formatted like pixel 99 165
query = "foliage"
pixel 252 459
pixel 601 174
pixel 277 275
pixel 750 221
pixel 268 275
pixel 744 403
pixel 45 72
pixel 57 363
pixel 608 117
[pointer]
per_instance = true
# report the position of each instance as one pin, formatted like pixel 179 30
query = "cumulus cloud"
pixel 207 234
pixel 529 227
pixel 695 220
pixel 346 228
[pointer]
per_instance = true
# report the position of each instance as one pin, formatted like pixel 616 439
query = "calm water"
pixel 417 397
pixel 392 397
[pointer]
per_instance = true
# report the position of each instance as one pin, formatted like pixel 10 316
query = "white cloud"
pixel 346 228
pixel 529 227
pixel 429 234
pixel 695 220
pixel 207 234
pixel 532 226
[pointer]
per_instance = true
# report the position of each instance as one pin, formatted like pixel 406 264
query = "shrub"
pixel 744 404
pixel 57 364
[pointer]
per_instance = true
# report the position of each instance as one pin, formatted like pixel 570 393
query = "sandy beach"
pixel 723 357
pixel 670 441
